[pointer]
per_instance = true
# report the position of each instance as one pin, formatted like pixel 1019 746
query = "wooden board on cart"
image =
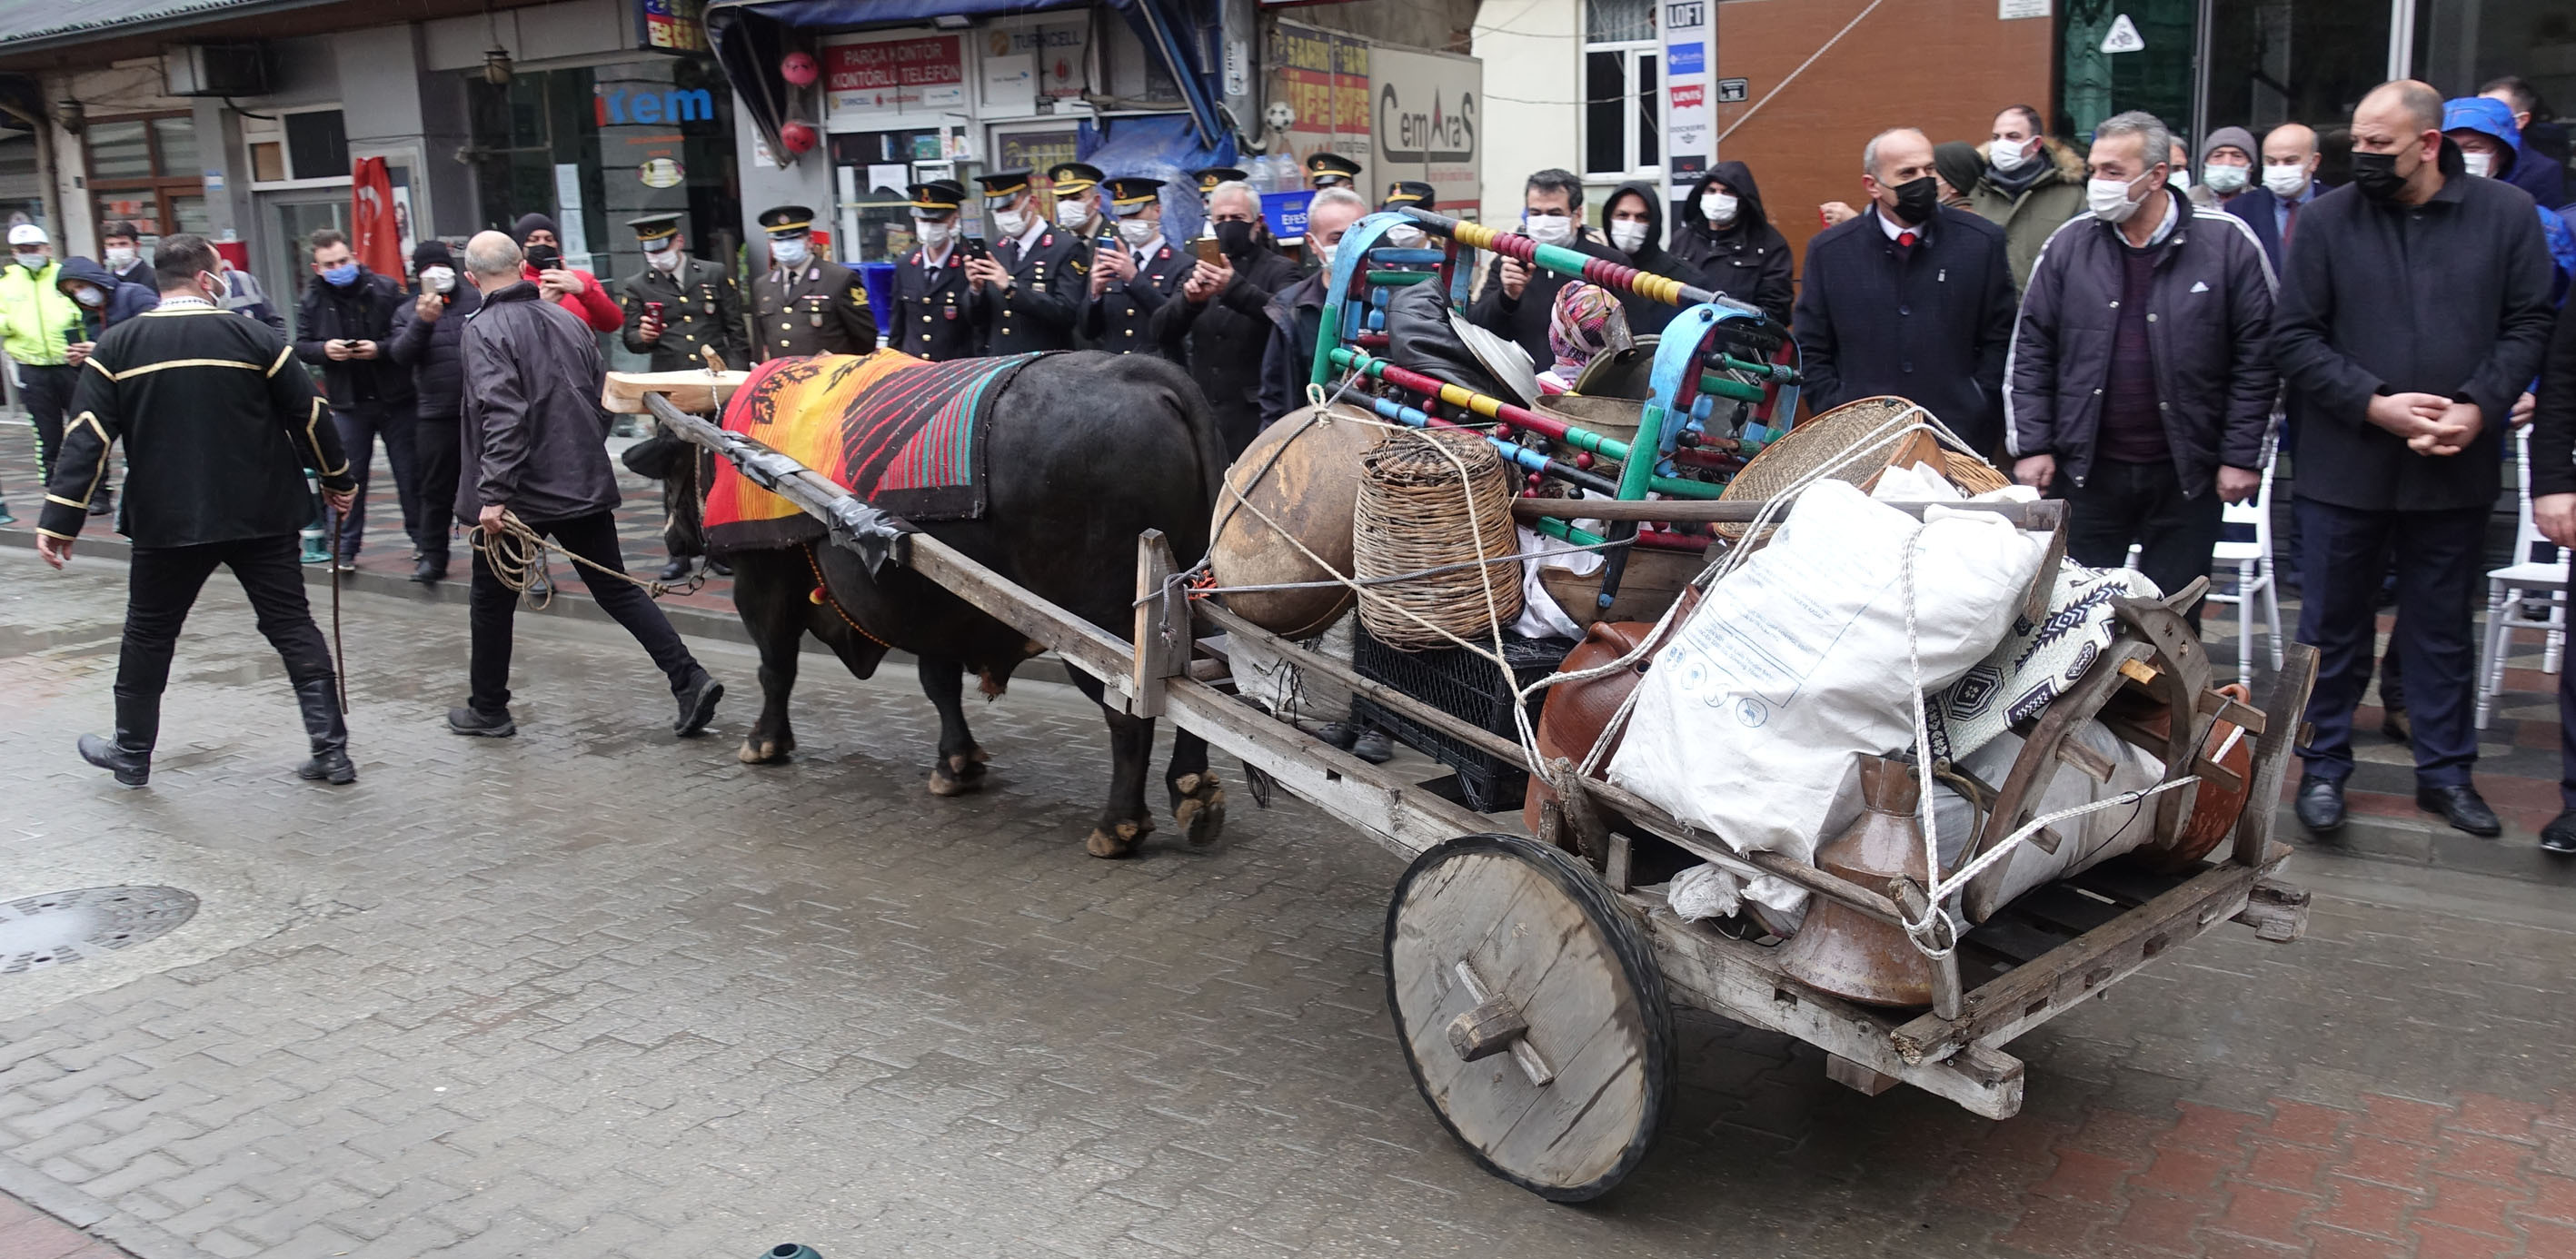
pixel 694 390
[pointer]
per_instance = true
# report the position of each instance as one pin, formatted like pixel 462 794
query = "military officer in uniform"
pixel 1210 177
pixel 675 306
pixel 1132 279
pixel 1417 195
pixel 936 312
pixel 805 304
pixel 1331 170
pixel 1032 276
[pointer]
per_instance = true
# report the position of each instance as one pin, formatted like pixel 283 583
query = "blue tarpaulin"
pixel 1165 148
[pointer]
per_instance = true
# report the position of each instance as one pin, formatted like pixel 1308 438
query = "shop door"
pixel 285 267
pixel 2309 61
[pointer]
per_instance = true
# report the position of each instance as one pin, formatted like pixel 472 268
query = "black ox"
pixel 1083 452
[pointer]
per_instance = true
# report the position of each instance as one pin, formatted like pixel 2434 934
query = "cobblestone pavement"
pixel 600 992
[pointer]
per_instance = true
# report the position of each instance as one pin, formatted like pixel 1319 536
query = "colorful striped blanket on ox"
pixel 904 433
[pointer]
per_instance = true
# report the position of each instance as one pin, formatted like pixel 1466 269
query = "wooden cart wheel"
pixel 1531 1012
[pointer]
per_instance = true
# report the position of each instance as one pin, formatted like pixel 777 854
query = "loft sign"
pixel 619 107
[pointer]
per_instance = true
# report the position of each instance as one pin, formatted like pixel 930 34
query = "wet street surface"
pixel 595 991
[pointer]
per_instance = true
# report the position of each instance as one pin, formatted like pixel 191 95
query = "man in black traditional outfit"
pixel 219 422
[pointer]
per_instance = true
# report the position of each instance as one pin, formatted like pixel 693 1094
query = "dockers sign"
pixel 1427 122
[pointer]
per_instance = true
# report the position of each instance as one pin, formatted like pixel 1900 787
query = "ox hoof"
pixel 766 751
pixel 1200 811
pixel 944 782
pixel 1113 844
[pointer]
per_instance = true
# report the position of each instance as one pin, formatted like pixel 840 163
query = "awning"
pixel 751 36
pixel 28 23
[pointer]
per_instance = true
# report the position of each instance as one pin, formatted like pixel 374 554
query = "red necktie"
pixel 2289 225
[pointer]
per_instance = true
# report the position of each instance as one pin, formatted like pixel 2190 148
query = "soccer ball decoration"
pixel 799 68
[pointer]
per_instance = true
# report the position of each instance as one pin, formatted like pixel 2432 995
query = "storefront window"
pixel 2308 61
pixel 2128 54
pixel 144 171
pixel 873 172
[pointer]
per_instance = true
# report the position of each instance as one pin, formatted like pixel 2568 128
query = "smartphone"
pixel 975 248
pixel 653 311
pixel 1208 248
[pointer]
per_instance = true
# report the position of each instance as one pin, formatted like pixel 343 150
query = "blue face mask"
pixel 341 276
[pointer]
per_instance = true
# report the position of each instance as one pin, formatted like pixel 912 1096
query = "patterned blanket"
pixel 902 432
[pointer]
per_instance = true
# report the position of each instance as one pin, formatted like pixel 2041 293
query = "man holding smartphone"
pixel 677 308
pixel 937 312
pixel 1034 276
pixel 342 325
pixel 1136 270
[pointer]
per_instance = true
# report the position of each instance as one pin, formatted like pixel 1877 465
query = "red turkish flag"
pixel 375 236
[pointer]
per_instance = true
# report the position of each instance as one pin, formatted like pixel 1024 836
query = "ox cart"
pixel 1530 980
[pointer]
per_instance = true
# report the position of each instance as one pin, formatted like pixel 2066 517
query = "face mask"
pixel 2224 180
pixel 1070 214
pixel 1627 236
pixel 1137 231
pixel 2376 175
pixel 215 288
pixel 88 296
pixel 119 257
pixel 30 260
pixel 437 279
pixel 666 261
pixel 2286 181
pixel 2479 164
pixel 545 257
pixel 1917 198
pixel 1718 207
pixel 1549 229
pixel 790 252
pixel 2008 155
pixel 1406 236
pixel 2110 201
pixel 934 235
pixel 341 276
pixel 1324 254
pixel 1234 237
pixel 1011 222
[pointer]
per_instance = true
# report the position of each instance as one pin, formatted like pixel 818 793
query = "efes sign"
pixel 1424 122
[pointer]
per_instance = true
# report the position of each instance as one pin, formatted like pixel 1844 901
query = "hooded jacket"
pixel 125 299
pixel 1645 314
pixel 1748 259
pixel 2494 119
pixel 2031 215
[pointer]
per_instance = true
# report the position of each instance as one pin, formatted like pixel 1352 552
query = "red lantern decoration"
pixel 799 68
pixel 799 137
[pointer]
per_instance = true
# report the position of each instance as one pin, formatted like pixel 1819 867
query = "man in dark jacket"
pixel 428 339
pixel 2289 183
pixel 2137 431
pixel 2553 511
pixel 532 447
pixel 1516 302
pixel 1030 282
pixel 120 245
pixel 1911 299
pixel 1296 313
pixel 2543 175
pixel 342 325
pixel 2415 311
pixel 1632 217
pixel 219 424
pixel 1727 241
pixel 105 298
pixel 937 314
pixel 1220 327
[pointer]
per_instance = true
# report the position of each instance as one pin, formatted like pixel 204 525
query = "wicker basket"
pixel 1824 438
pixel 1413 514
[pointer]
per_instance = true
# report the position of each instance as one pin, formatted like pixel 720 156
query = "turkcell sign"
pixel 1690 130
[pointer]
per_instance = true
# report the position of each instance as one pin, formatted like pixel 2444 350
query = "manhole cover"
pixel 59 928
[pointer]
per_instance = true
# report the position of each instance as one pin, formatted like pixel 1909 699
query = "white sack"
pixel 1748 724
pixel 2083 842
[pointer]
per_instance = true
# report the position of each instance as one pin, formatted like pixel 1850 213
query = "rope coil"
pixel 517 560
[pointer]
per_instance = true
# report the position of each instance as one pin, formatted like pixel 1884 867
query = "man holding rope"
pixel 533 465
pixel 219 423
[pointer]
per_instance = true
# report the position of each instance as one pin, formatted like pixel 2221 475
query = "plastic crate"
pixel 1466 686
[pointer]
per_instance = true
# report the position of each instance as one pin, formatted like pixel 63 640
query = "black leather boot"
pixel 319 700
pixel 138 724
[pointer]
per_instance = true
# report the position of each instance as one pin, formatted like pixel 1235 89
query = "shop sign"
pixel 675 25
pixel 1690 121
pixel 619 107
pixel 1426 124
pixel 925 74
pixel 1056 49
pixel 1324 78
pixel 1037 151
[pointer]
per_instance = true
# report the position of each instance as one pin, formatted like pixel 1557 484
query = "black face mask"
pixel 2376 175
pixel 544 257
pixel 1916 199
pixel 1234 238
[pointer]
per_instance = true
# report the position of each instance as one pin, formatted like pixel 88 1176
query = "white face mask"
pixel 1627 236
pixel 1549 229
pixel 119 257
pixel 2110 201
pixel 2223 180
pixel 439 279
pixel 2008 155
pixel 1011 222
pixel 88 296
pixel 2286 181
pixel 1406 236
pixel 666 261
pixel 934 235
pixel 1138 230
pixel 1718 208
pixel 1324 254
pixel 2479 164
pixel 790 252
pixel 1071 214
pixel 32 260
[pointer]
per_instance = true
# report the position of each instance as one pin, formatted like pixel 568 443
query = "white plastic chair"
pixel 2252 560
pixel 2509 586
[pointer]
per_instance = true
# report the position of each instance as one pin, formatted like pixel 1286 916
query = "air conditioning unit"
pixel 215 70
